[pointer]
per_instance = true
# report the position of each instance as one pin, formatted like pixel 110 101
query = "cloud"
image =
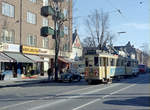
pixel 143 26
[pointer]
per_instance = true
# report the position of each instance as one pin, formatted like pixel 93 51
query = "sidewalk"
pixel 20 82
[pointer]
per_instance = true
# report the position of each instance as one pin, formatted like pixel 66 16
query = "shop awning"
pixel 35 58
pixel 19 57
pixel 65 60
pixel 5 58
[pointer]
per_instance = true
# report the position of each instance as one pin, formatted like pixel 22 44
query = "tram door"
pixel 105 66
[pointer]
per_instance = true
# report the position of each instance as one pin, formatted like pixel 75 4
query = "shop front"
pixel 39 56
pixel 64 63
pixel 13 64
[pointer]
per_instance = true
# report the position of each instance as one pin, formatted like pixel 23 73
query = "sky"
pixel 134 20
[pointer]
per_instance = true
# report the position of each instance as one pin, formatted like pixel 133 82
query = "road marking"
pixel 91 102
pixel 18 104
pixel 14 105
pixel 69 98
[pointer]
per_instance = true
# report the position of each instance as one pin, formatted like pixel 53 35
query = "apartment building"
pixel 20 37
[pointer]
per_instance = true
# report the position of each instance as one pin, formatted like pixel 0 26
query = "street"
pixel 127 94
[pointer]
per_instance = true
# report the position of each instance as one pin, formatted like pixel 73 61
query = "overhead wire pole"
pixel 56 41
pixel 55 10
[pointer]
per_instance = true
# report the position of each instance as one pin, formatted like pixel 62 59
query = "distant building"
pixel 77 48
pixel 129 51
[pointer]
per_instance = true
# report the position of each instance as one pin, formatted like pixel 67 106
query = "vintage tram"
pixel 102 66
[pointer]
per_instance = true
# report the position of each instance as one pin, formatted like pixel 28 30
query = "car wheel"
pixel 70 79
pixel 78 79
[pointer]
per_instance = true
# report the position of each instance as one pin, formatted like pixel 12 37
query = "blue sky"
pixel 135 19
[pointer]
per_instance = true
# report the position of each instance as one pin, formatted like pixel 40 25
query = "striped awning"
pixel 5 58
pixel 35 58
pixel 18 57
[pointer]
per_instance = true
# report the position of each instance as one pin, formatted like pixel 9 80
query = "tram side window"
pixel 122 62
pixel 129 63
pixel 86 62
pixel 118 62
pixel 112 62
pixel 96 61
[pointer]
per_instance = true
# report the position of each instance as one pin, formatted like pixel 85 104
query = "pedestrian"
pixel 50 74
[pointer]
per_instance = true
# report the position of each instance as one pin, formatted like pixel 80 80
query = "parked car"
pixel 70 75
pixel 142 68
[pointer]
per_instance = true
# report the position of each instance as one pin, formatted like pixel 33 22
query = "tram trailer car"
pixel 103 67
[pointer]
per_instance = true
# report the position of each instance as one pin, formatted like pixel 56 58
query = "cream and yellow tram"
pixel 100 66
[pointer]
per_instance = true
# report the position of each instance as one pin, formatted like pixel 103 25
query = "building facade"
pixel 76 47
pixel 20 24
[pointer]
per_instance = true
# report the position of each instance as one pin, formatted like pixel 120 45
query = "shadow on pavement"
pixel 138 101
pixel 141 79
pixel 43 83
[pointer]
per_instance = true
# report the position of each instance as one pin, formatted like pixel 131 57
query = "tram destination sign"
pixel 91 52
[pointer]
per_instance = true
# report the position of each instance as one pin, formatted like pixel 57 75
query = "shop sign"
pixel 10 47
pixel 33 50
pixel 30 50
pixel 44 51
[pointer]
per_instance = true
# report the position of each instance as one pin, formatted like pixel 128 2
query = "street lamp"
pixel 122 32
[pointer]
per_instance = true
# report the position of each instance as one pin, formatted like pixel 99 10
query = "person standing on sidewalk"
pixel 50 74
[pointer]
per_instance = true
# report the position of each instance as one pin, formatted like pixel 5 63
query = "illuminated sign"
pixel 30 50
pixel 34 50
pixel 10 47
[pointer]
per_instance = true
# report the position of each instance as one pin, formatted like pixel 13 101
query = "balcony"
pixel 61 33
pixel 61 16
pixel 47 10
pixel 45 31
pixel 58 0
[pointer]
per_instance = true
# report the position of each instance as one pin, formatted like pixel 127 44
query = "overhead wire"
pixel 117 9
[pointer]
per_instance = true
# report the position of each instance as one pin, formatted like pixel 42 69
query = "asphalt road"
pixel 127 94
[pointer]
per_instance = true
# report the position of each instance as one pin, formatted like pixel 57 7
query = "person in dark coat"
pixel 50 73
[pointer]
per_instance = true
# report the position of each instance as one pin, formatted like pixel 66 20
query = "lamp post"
pixel 55 12
pixel 122 32
pixel 20 22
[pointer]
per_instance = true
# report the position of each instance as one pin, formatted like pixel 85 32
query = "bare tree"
pixel 98 24
pixel 87 42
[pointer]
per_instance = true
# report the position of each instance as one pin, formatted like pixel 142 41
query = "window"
pixel 7 9
pixel 45 22
pixel 65 47
pixel 34 1
pixel 65 13
pixel 45 2
pixel 66 30
pixel 31 40
pixel 122 62
pixel 86 62
pixel 45 42
pixel 118 62
pixel 7 36
pixel 31 18
pixel 112 62
pixel 96 61
pixel 128 63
